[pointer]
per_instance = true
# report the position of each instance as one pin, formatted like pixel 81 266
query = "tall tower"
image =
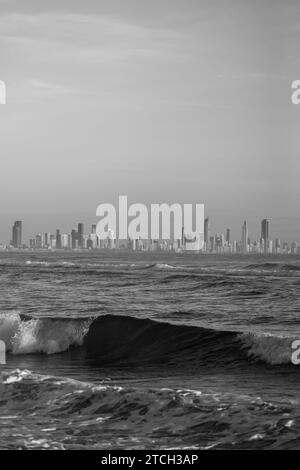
pixel 206 233
pixel 228 235
pixel 58 239
pixel 265 233
pixel 17 234
pixel 245 237
pixel 182 237
pixel 74 239
pixel 80 235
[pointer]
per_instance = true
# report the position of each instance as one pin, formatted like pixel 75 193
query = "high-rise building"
pixel 32 243
pixel 206 232
pixel 222 240
pixel 52 241
pixel 74 239
pixel 217 243
pixel 245 237
pixel 182 237
pixel 58 239
pixel 38 241
pixel 47 237
pixel 80 235
pixel 64 241
pixel 294 248
pixel 265 233
pixel 17 234
pixel 228 235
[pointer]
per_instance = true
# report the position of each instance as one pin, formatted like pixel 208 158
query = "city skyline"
pixel 207 242
pixel 46 222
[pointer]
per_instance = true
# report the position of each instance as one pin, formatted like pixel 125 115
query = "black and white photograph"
pixel 149 228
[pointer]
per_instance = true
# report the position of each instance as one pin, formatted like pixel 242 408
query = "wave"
pixel 69 264
pixel 273 267
pixel 123 340
pixel 164 266
pixel 50 410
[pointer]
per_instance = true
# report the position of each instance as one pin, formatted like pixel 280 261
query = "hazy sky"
pixel 161 100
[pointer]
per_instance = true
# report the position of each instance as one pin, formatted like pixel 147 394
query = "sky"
pixel 184 101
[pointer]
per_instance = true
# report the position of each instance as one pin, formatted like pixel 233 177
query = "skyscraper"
pixel 80 235
pixel 17 234
pixel 265 233
pixel 74 239
pixel 58 239
pixel 277 245
pixel 38 241
pixel 64 238
pixel 228 235
pixel 47 237
pixel 206 233
pixel 245 237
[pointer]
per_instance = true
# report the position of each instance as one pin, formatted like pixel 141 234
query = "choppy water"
pixel 132 350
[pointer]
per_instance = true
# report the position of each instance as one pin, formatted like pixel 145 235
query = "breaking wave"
pixel 123 340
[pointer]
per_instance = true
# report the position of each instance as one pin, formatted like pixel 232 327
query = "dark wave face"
pixel 149 351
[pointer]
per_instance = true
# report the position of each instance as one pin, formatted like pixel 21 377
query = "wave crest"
pixel 48 336
pixel 123 340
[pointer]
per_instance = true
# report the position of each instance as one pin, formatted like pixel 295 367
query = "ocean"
pixel 125 350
